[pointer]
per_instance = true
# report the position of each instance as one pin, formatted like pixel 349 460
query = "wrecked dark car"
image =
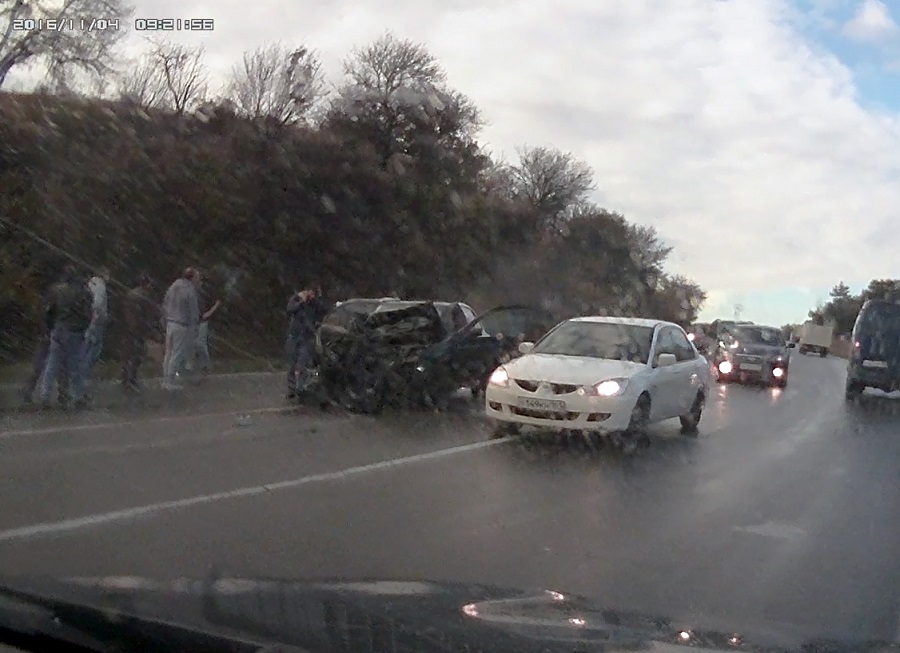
pixel 374 353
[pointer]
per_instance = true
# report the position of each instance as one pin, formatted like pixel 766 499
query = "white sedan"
pixel 603 375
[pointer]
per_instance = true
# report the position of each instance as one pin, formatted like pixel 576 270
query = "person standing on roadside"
pixel 69 313
pixel 181 312
pixel 96 332
pixel 304 311
pixel 208 308
pixel 39 361
pixel 141 317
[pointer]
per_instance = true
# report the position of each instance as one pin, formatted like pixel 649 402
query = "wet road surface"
pixel 784 510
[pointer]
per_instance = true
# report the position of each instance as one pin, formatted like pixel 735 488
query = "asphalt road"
pixel 783 511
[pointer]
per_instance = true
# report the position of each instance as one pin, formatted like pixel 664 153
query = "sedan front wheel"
pixel 504 429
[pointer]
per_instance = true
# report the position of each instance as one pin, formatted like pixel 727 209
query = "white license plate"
pixel 542 404
pixel 751 367
pixel 878 364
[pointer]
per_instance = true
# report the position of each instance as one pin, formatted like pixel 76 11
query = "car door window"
pixel 683 349
pixel 665 344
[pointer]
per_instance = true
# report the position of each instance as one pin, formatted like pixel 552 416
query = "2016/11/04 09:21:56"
pixel 174 24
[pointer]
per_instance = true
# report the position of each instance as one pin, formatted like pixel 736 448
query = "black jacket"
pixel 69 306
pixel 305 317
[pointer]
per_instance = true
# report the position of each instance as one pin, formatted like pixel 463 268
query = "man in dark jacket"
pixel 141 317
pixel 68 311
pixel 305 311
pixel 39 361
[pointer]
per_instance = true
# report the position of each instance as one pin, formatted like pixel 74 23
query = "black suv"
pixel 875 355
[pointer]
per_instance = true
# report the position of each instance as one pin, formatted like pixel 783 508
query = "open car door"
pixel 468 356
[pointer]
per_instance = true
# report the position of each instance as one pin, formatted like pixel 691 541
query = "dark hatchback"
pixel 751 352
pixel 875 357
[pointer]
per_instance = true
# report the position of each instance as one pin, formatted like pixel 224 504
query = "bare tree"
pixel 648 251
pixel 182 75
pixel 399 91
pixel 143 84
pixel 275 82
pixel 555 182
pixel 389 64
pixel 52 33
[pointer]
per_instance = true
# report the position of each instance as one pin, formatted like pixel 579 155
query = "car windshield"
pixel 270 281
pixel 606 340
pixel 768 336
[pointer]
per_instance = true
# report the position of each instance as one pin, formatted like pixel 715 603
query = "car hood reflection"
pixel 228 613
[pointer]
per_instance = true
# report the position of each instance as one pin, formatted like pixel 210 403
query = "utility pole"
pixel 738 310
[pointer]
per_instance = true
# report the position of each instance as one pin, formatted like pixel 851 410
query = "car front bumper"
pixel 756 369
pixel 571 412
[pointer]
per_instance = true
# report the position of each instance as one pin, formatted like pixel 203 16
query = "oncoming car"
pixel 753 353
pixel 601 375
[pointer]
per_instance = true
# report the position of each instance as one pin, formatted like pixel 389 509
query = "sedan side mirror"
pixel 792 345
pixel 666 360
pixel 525 347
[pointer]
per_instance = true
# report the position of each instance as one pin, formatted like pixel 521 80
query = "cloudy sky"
pixel 760 137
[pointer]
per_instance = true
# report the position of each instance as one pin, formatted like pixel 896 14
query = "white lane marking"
pixel 4 435
pixel 774 529
pixel 48 528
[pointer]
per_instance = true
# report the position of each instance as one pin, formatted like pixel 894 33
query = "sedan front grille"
pixel 555 388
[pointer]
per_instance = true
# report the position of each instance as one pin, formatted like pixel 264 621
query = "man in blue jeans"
pixel 39 360
pixel 68 311
pixel 305 311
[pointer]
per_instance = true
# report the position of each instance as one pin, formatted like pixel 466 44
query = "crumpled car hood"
pixel 393 616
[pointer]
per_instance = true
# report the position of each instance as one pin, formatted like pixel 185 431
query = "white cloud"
pixel 714 121
pixel 872 22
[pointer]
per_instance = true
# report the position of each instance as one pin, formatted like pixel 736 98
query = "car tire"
pixel 853 390
pixel 640 416
pixel 691 421
pixel 823 353
pixel 504 429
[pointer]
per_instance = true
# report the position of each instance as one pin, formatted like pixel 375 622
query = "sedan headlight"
pixel 499 378
pixel 609 388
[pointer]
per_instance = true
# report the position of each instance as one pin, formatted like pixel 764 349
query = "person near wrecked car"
pixel 68 311
pixel 39 360
pixel 208 308
pixel 96 331
pixel 305 311
pixel 141 319
pixel 181 312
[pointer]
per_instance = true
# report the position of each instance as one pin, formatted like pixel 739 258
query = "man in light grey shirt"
pixel 181 311
pixel 96 332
